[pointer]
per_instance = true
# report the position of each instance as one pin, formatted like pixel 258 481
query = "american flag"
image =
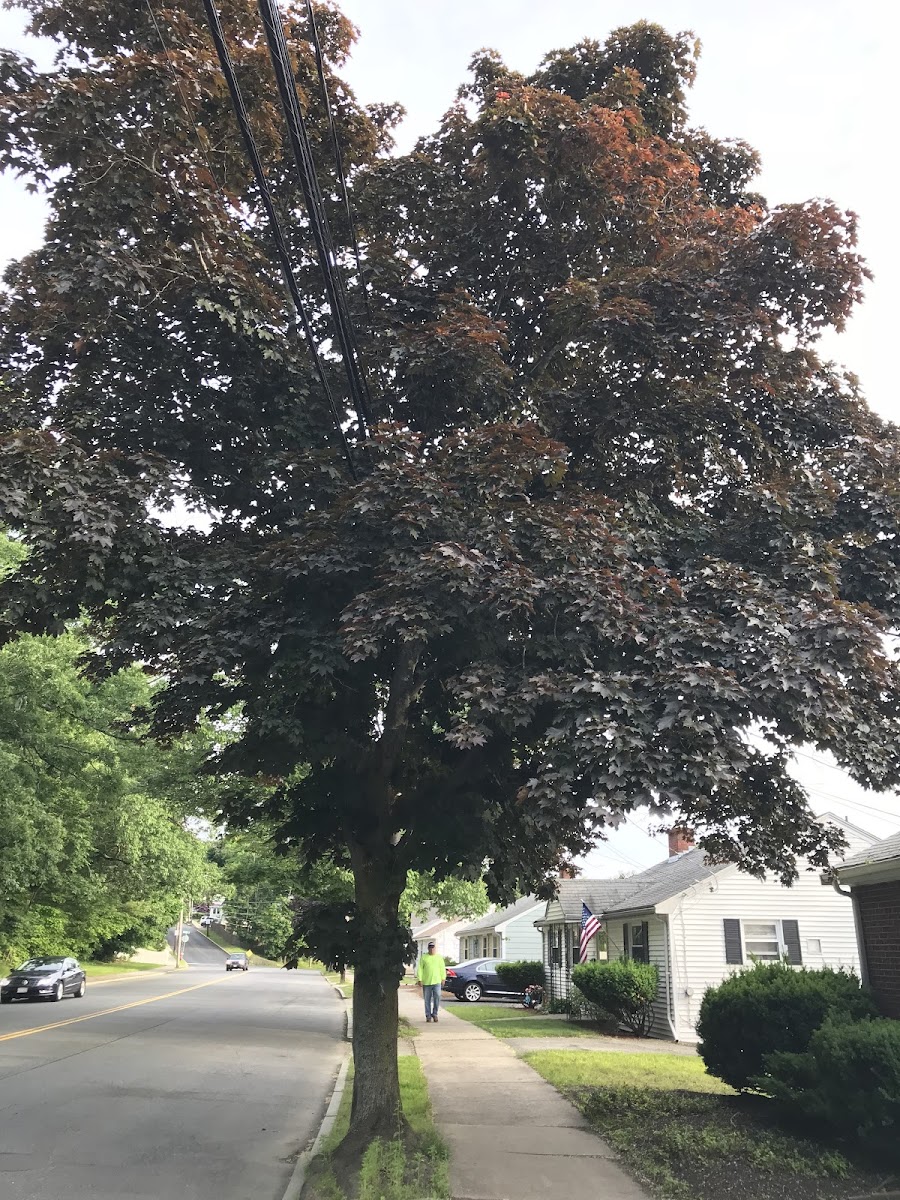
pixel 589 926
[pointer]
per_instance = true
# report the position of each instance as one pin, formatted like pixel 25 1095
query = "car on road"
pixel 475 978
pixel 44 979
pixel 237 962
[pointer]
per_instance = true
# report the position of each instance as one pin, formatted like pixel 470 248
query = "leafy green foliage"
pixel 92 860
pixel 847 1080
pixel 772 1008
pixel 613 512
pixel 623 988
pixel 517 976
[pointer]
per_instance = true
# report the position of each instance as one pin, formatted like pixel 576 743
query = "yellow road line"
pixel 19 1033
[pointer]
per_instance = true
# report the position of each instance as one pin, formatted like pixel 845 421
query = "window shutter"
pixel 733 952
pixel 790 931
pixel 625 947
pixel 645 930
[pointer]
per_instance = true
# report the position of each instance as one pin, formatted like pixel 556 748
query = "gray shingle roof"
pixel 878 852
pixel 597 894
pixel 492 920
pixel 667 879
pixel 659 882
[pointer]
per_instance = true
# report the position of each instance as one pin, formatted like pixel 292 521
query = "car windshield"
pixel 45 966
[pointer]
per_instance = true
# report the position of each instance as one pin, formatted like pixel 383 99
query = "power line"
pixel 262 183
pixel 301 149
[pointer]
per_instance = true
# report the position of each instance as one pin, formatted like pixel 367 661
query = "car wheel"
pixel 59 993
pixel 473 991
pixel 81 989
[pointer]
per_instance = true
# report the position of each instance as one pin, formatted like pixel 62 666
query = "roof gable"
pixel 501 917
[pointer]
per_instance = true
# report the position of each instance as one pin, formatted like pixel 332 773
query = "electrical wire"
pixel 338 157
pixel 262 183
pixel 301 149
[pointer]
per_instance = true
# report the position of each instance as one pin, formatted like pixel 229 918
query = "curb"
pixel 298 1176
pixel 337 988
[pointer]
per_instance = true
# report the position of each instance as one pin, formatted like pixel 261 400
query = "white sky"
pixel 809 83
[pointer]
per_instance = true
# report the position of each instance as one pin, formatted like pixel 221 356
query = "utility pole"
pixel 178 932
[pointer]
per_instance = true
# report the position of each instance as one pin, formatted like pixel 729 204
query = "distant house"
pixel 873 876
pixel 508 934
pixel 444 933
pixel 698 922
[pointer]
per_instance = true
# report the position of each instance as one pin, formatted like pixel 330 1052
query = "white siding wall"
pixel 698 939
pixel 656 929
pixel 520 938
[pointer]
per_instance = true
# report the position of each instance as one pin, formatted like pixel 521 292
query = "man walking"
pixel 431 973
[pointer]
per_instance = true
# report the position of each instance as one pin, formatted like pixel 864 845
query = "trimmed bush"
pixel 772 1008
pixel 517 976
pixel 848 1080
pixel 623 988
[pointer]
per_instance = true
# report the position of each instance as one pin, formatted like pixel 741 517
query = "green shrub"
pixel 517 976
pixel 559 1004
pixel 623 988
pixel 771 1008
pixel 848 1080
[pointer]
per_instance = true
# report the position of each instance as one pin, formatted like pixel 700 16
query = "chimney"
pixel 680 839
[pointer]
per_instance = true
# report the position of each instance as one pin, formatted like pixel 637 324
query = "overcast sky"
pixel 810 84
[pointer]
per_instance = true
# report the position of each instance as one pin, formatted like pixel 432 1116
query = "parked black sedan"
pixel 44 979
pixel 476 978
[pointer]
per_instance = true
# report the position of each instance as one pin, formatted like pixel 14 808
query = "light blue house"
pixel 508 934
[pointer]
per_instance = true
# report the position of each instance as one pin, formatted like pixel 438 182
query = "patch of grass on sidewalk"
pixel 398 1170
pixel 691 1137
pixel 504 1021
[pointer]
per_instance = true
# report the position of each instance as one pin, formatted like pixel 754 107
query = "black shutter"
pixel 790 931
pixel 645 930
pixel 733 952
pixel 625 947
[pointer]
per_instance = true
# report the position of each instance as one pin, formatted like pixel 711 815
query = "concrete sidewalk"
pixel 511 1135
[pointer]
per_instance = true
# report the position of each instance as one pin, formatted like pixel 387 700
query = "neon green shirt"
pixel 431 969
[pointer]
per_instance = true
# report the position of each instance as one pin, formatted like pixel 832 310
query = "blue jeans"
pixel 432 993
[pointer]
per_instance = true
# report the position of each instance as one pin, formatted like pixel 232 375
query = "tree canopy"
pixel 614 509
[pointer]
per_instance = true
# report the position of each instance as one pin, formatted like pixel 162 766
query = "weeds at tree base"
pixel 407 1168
pixel 690 1137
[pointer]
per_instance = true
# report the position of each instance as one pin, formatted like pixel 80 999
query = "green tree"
pixel 613 510
pixel 91 862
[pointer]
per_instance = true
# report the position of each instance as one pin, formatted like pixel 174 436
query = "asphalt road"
pixel 191 1085
pixel 198 949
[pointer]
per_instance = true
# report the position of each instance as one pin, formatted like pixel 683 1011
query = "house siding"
pixel 659 956
pixel 698 934
pixel 879 913
pixel 521 940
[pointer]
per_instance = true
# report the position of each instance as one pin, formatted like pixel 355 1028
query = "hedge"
pixel 772 1008
pixel 623 988
pixel 517 976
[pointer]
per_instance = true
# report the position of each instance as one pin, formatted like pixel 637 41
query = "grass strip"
pixel 404 1169
pixel 691 1137
pixel 101 970
pixel 504 1021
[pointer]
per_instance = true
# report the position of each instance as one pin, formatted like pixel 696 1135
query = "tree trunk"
pixel 376 1112
pixel 343 974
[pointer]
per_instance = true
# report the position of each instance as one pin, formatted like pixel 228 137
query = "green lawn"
pixel 335 977
pixel 505 1021
pixel 97 970
pixel 389 1170
pixel 685 1134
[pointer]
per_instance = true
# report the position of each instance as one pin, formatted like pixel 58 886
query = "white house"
pixel 699 922
pixel 508 934
pixel 444 933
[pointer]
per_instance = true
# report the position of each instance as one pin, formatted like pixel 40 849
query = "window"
pixel 762 941
pixel 636 941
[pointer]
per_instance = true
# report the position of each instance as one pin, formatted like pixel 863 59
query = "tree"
pixel 613 510
pixel 90 861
